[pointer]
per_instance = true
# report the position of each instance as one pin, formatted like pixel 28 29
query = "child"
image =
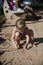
pixel 15 2
pixel 21 32
pixel 11 5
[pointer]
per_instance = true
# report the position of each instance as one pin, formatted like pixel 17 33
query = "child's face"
pixel 21 29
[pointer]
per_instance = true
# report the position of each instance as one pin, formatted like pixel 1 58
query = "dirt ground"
pixel 32 56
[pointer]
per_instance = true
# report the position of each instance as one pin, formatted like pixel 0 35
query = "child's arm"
pixel 27 41
pixel 12 37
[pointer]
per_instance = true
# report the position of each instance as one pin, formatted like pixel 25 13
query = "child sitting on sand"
pixel 21 32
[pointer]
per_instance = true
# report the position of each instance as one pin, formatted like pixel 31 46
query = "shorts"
pixel 15 8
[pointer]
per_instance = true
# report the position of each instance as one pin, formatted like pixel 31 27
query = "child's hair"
pixel 20 23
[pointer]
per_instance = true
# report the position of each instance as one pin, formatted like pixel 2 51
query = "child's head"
pixel 20 24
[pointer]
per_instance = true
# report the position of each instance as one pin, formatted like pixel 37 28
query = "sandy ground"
pixel 32 56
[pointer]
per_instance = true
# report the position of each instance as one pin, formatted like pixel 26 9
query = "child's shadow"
pixel 37 41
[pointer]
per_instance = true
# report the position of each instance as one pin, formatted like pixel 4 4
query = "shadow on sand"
pixel 37 41
pixel 10 61
pixel 31 19
pixel 28 19
pixel 7 63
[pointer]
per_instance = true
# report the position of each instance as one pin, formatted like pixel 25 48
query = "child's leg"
pixel 16 45
pixel 31 37
pixel 27 42
pixel 17 39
